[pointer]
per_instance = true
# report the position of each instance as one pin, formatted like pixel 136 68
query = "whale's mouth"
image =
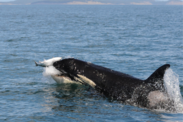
pixel 63 79
pixel 62 76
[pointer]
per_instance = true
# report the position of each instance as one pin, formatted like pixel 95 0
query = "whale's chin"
pixel 63 79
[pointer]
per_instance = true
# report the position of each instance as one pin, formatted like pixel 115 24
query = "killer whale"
pixel 113 84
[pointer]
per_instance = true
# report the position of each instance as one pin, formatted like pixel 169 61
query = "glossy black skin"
pixel 114 84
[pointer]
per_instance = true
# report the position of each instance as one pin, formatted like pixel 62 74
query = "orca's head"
pixel 50 70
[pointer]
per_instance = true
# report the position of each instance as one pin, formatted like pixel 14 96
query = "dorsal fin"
pixel 158 75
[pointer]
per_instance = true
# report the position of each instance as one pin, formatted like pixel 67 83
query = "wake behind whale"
pixel 154 93
pixel 173 89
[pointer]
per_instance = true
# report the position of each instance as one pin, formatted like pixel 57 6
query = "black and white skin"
pixel 149 93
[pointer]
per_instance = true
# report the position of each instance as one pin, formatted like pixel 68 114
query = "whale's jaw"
pixel 63 79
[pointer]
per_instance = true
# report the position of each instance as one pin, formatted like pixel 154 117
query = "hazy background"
pixel 93 2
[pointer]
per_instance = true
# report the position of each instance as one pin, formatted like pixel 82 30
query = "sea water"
pixel 132 39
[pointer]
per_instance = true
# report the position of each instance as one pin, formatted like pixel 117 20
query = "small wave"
pixel 171 80
pixel 9 40
pixel 16 39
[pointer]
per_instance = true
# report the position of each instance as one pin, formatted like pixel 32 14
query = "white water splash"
pixel 48 71
pixel 171 81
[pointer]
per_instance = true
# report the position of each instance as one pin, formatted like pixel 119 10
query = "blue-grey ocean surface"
pixel 132 39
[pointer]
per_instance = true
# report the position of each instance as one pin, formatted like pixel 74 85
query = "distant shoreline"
pixel 170 3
